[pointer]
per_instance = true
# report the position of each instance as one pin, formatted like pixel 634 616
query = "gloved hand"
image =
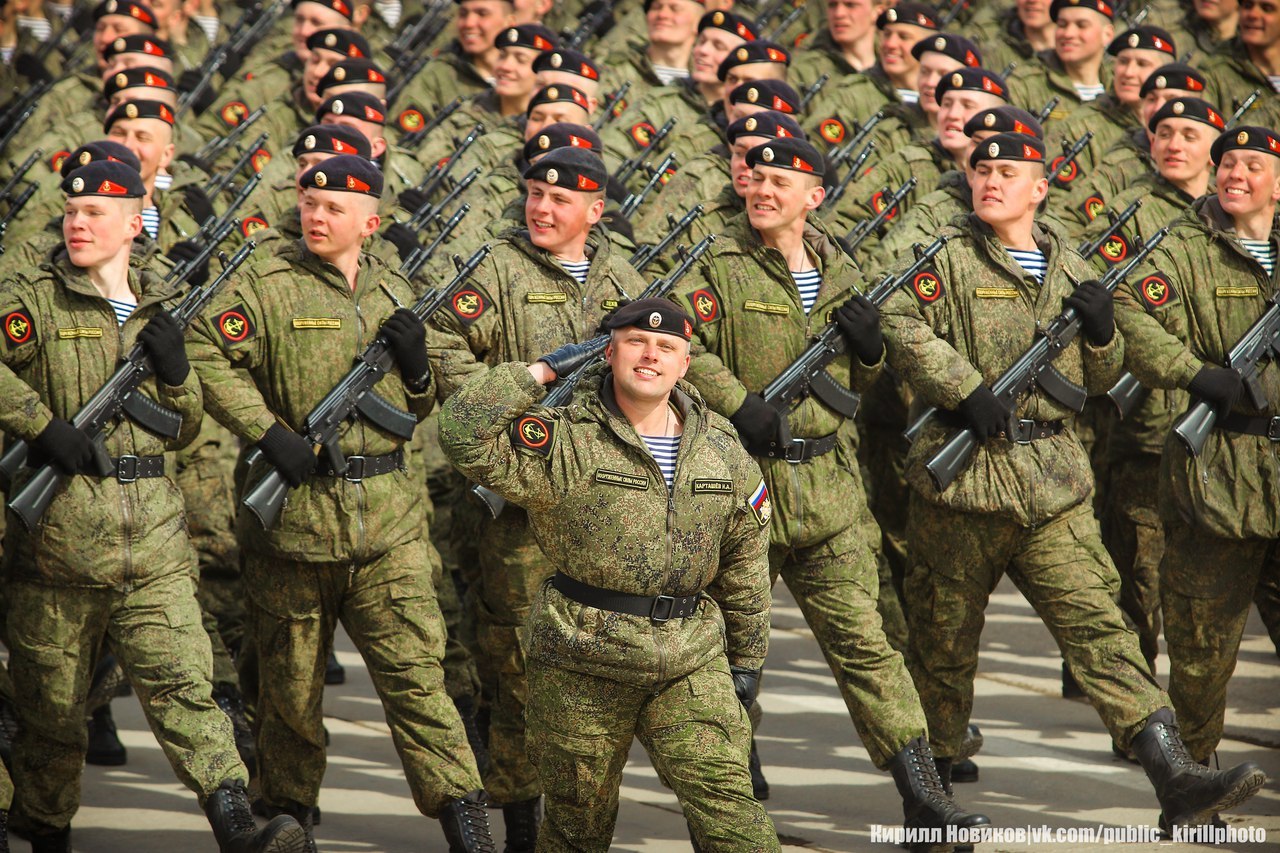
pixel 28 66
pixel 234 60
pixel 198 203
pixel 759 425
pixel 402 237
pixel 568 358
pixel 1220 387
pixel 163 341
pixel 67 448
pixel 408 339
pixel 289 453
pixel 185 250
pixel 187 82
pixel 859 322
pixel 746 683
pixel 603 328
pixel 412 200
pixel 1097 312
pixel 984 412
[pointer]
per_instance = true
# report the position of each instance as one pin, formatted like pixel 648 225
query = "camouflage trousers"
pixel 882 459
pixel 1063 571
pixel 388 607
pixel 836 584
pixel 155 633
pixel 697 736
pixel 1134 536
pixel 1206 587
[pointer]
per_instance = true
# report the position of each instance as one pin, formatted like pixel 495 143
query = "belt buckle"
pixel 671 609
pixel 1273 429
pixel 127 463
pixel 1026 429
pixel 354 463
pixel 794 451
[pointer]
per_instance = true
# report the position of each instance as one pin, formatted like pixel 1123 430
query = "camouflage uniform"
pixel 1021 508
pixel 1198 293
pixel 450 75
pixel 1003 39
pixel 1110 122
pixel 1232 76
pixel 1032 85
pixel 750 326
pixel 598 678
pixel 342 549
pixel 109 561
pixel 927 162
pixel 699 178
pixel 1128 159
pixel 519 304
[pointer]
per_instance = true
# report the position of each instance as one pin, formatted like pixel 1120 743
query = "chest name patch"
pixel 618 478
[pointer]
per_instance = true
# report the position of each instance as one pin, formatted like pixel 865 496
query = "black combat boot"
pixel 466 706
pixel 522 820
pixel 52 842
pixel 4 831
pixel 228 811
pixel 925 803
pixel 334 672
pixel 466 825
pixel 759 784
pixel 105 748
pixel 1189 793
pixel 946 769
pixel 227 697
pixel 963 769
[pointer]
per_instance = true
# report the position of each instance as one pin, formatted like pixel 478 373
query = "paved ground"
pixel 1047 761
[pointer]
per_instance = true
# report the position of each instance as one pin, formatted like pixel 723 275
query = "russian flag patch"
pixel 759 504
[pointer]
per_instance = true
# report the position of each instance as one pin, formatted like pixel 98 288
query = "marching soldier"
pixel 1073 70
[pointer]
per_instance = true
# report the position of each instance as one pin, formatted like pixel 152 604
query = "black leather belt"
pixel 1029 431
pixel 363 467
pixel 130 468
pixel 1269 428
pixel 656 608
pixel 802 449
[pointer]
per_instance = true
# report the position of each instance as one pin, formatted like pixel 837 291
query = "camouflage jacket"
pixel 591 486
pixel 449 75
pixel 1188 305
pixel 267 352
pixel 1232 76
pixel 963 323
pixel 1129 158
pixel 61 344
pixel 1107 118
pixel 1034 84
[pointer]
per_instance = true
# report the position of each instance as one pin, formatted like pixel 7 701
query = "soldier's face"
pixel 1034 14
pixel 957 107
pixel 111 27
pixel 896 41
pixel 1180 149
pixel 513 75
pixel 545 114
pixel 1081 34
pixel 531 11
pixel 673 21
pixel 646 365
pixel 738 167
pixel 317 65
pixel 1248 182
pixel 151 141
pixel 712 46
pixel 933 67
pixel 1007 192
pixel 1259 22
pixel 95 228
pixel 850 20
pixel 479 22
pixel 779 198
pixel 1212 11
pixel 335 223
pixel 559 218
pixel 309 17
pixel 1132 68
pixel 1157 98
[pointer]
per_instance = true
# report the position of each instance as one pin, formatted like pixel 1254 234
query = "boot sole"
pixel 289 839
pixel 1241 791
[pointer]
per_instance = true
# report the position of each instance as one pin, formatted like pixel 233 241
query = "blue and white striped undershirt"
pixel 123 308
pixel 663 449
pixel 1033 262
pixel 151 221
pixel 808 282
pixel 1089 93
pixel 1263 252
pixel 209 25
pixel 577 269
pixel 907 96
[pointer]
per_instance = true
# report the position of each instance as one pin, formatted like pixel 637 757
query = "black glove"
pixel 163 341
pixel 759 425
pixel 408 339
pixel 412 200
pixel 568 358
pixel 289 453
pixel 984 412
pixel 69 449
pixel 31 68
pixel 232 64
pixel 1220 387
pixel 187 82
pixel 746 683
pixel 859 321
pixel 402 237
pixel 1097 312
pixel 185 250
pixel 198 203
pixel 603 328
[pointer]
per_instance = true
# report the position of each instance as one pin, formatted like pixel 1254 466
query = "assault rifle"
pixel 957 6
pixel 633 200
pixel 14 209
pixel 411 141
pixel 118 395
pixel 1244 107
pixel 811 91
pixel 247 31
pixel 845 151
pixel 413 264
pixel 218 183
pixel 590 26
pixel 631 166
pixel 838 191
pixel 864 229
pixel 214 148
pixel 417 34
pixel 611 102
pixel 440 171
pixel 19 173
pixel 431 212
pixel 794 15
pixel 646 254
pixel 1069 155
pixel 354 394
pixel 593 350
pixel 22 110
pixel 1047 109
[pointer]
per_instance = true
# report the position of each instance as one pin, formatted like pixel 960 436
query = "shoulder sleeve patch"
pixel 252 224
pixel 1069 174
pixel 877 203
pixel 759 504
pixel 1156 291
pixel 19 328
pixel 411 120
pixel 641 133
pixel 705 302
pixel 1115 250
pixel 927 287
pixel 233 113
pixel 469 304
pixel 530 432
pixel 56 161
pixel 234 325
pixel 1092 206
pixel 260 159
pixel 832 130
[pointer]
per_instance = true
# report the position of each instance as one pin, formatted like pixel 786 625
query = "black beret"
pixel 753 51
pixel 1143 38
pixel 1100 6
pixel 148 44
pixel 1008 146
pixel 127 8
pixel 342 7
pixel 958 48
pixel 909 12
pixel 132 78
pixel 562 134
pixel 654 315
pixel 533 36
pixel 1175 75
pixel 361 105
pixel 972 80
pixel 567 60
pixel 332 139
pixel 1246 138
pixel 770 94
pixel 345 173
pixel 570 168
pixel 103 149
pixel 1194 109
pixel 770 124
pixel 346 42
pixel 138 109
pixel 794 154
pixel 558 93
pixel 730 23
pixel 351 71
pixel 109 178
pixel 1004 120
